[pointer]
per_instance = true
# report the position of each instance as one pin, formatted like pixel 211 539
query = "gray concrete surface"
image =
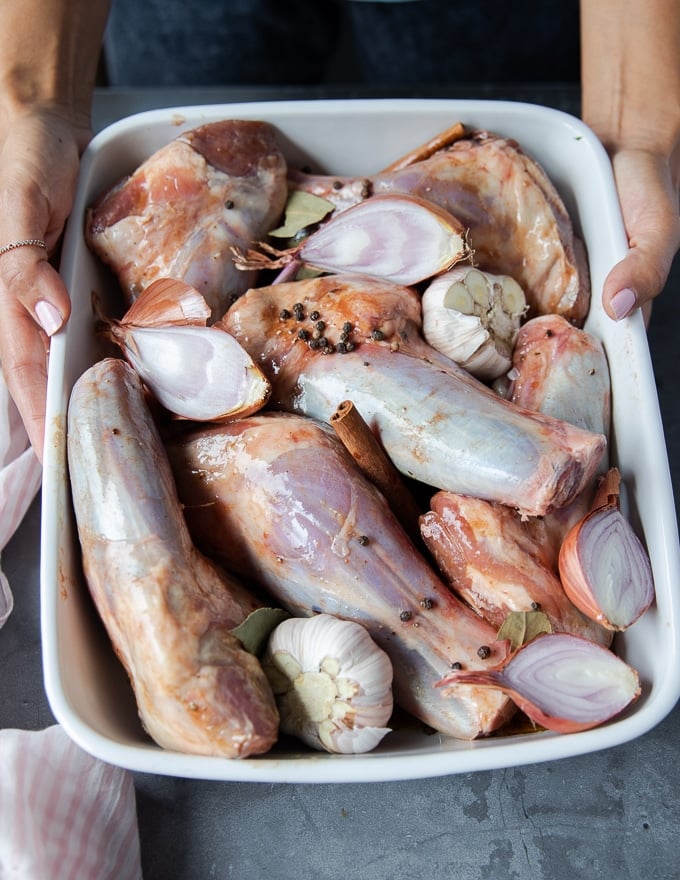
pixel 612 814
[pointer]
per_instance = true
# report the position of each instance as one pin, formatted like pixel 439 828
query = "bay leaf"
pixel 255 630
pixel 302 209
pixel 520 627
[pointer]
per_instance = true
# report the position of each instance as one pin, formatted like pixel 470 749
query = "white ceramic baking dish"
pixel 87 688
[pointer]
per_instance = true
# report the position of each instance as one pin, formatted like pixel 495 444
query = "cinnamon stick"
pixel 374 462
pixel 424 151
pixel 608 489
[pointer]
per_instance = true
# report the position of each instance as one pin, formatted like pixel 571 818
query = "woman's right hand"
pixel 39 159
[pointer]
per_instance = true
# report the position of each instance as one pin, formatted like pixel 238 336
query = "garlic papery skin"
pixel 332 683
pixel 473 317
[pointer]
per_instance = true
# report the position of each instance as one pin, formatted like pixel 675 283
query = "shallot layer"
pixel 168 610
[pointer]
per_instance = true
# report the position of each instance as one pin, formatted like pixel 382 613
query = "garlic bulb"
pixel 333 684
pixel 473 317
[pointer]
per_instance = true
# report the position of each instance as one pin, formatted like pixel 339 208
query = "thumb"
pixel 649 204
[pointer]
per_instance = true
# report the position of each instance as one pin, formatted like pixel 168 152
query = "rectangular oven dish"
pixel 86 686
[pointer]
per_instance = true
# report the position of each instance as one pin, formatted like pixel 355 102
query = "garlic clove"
pixel 473 317
pixel 333 684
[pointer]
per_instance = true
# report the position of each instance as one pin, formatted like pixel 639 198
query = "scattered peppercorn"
pixel 303 334
pixel 347 327
pixel 426 603
pixel 314 316
pixel 456 665
pixel 484 652
pixel 320 325
pixel 337 184
pixel 405 616
pixel 363 540
pixel 229 205
pixel 284 314
pixel 377 335
pixel 535 606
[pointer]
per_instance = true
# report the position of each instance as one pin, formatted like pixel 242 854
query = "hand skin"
pixel 631 100
pixel 49 51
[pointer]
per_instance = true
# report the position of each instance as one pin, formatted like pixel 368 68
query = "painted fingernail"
pixel 623 302
pixel 48 316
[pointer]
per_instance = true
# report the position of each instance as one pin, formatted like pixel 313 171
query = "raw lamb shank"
pixel 518 224
pixel 437 424
pixel 168 610
pixel 277 498
pixel 219 186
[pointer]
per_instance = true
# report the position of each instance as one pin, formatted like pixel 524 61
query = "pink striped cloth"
pixel 20 475
pixel 63 813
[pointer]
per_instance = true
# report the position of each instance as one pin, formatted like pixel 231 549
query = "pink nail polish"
pixel 48 316
pixel 623 302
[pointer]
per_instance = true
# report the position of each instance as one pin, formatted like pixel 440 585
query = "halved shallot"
pixel 195 371
pixel 604 567
pixel 561 681
pixel 400 238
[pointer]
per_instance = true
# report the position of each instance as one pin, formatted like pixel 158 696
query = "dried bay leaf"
pixel 520 627
pixel 302 210
pixel 255 630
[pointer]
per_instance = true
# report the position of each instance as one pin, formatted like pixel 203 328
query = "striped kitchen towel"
pixel 20 476
pixel 64 814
